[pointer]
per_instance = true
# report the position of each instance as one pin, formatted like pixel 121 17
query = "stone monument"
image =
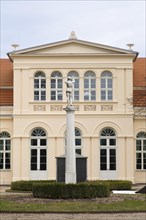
pixel 70 160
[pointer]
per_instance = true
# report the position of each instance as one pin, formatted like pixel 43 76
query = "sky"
pixel 36 22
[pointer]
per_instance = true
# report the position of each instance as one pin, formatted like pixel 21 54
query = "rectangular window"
pixel 138 161
pixel 103 159
pixel 112 159
pixel 43 159
pixel 33 159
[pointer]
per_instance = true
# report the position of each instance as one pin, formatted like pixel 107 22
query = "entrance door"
pixel 108 169
pixel 38 155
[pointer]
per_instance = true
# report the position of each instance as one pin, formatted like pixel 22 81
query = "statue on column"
pixel 69 90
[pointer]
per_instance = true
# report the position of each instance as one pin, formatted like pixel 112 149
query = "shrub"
pixel 115 184
pixel 26 185
pixel 70 191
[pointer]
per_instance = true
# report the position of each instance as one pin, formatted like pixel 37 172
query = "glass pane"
pixel 78 151
pixel 33 142
pixel 112 142
pixel 109 83
pixel 103 159
pixel 53 83
pixel 43 142
pixel 42 166
pixel 138 161
pixel 92 83
pixel 103 83
pixel 1 145
pixel 76 95
pixel 138 145
pixel 103 142
pixel 86 83
pixel 36 83
pixel 103 167
pixel 59 95
pixel 43 95
pixel 33 166
pixel 8 144
pixel 36 95
pixel 103 95
pixel 76 84
pixel 34 152
pixel 34 159
pixel 110 95
pixel 86 95
pixel 93 95
pixel 112 152
pixel 112 166
pixel 59 83
pixel 53 95
pixel 43 83
pixel 78 142
pixel 144 145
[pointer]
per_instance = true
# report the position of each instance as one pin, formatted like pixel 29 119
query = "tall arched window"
pixel 89 86
pixel 75 76
pixel 39 86
pixel 78 141
pixel 141 150
pixel 106 86
pixel 5 151
pixel 56 86
pixel 38 149
pixel 107 149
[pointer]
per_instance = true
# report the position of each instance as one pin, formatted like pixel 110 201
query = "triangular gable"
pixel 71 46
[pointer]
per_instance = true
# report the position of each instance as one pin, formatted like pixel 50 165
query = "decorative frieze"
pixel 39 107
pixel 89 107
pixel 106 108
pixel 56 107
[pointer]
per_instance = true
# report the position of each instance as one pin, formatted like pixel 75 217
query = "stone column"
pixel 70 162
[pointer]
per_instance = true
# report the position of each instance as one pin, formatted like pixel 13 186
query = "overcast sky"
pixel 36 22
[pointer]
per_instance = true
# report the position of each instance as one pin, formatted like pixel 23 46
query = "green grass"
pixel 73 206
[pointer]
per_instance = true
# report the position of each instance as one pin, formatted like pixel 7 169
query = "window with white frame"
pixel 5 151
pixel 89 86
pixel 56 86
pixel 75 76
pixel 106 86
pixel 38 148
pixel 141 151
pixel 107 149
pixel 39 86
pixel 78 141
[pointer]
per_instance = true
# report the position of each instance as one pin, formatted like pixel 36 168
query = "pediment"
pixel 71 47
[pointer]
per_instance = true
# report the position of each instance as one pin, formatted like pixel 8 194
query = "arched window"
pixel 89 86
pixel 107 149
pixel 5 151
pixel 106 86
pixel 141 151
pixel 39 86
pixel 56 86
pixel 78 141
pixel 75 76
pixel 38 149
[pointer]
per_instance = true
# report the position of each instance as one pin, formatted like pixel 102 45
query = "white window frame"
pixel 90 77
pixel 108 134
pixel 56 76
pixel 141 138
pixel 4 137
pixel 106 76
pixel 40 87
pixel 38 134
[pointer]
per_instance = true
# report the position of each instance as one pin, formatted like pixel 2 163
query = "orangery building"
pixel 109 96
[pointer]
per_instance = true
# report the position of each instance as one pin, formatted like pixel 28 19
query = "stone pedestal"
pixel 70 164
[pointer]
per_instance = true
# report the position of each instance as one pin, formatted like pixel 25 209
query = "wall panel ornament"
pixel 106 108
pixel 89 107
pixel 39 108
pixel 56 107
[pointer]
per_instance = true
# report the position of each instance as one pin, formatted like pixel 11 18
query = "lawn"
pixel 115 203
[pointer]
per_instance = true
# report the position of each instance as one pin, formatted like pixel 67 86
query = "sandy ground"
pixel 122 216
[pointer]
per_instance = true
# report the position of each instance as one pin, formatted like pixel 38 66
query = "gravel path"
pixel 122 216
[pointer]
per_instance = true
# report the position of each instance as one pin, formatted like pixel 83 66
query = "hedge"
pixel 26 185
pixel 70 191
pixel 115 184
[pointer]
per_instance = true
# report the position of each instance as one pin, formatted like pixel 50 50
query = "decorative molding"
pixel 106 108
pixel 56 107
pixel 76 107
pixel 39 107
pixel 89 107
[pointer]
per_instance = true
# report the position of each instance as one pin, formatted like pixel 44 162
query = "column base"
pixel 70 177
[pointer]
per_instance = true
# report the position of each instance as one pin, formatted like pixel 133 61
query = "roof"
pixel 6 82
pixel 139 82
pixel 31 51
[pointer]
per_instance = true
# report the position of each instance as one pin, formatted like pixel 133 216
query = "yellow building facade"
pixel 107 131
